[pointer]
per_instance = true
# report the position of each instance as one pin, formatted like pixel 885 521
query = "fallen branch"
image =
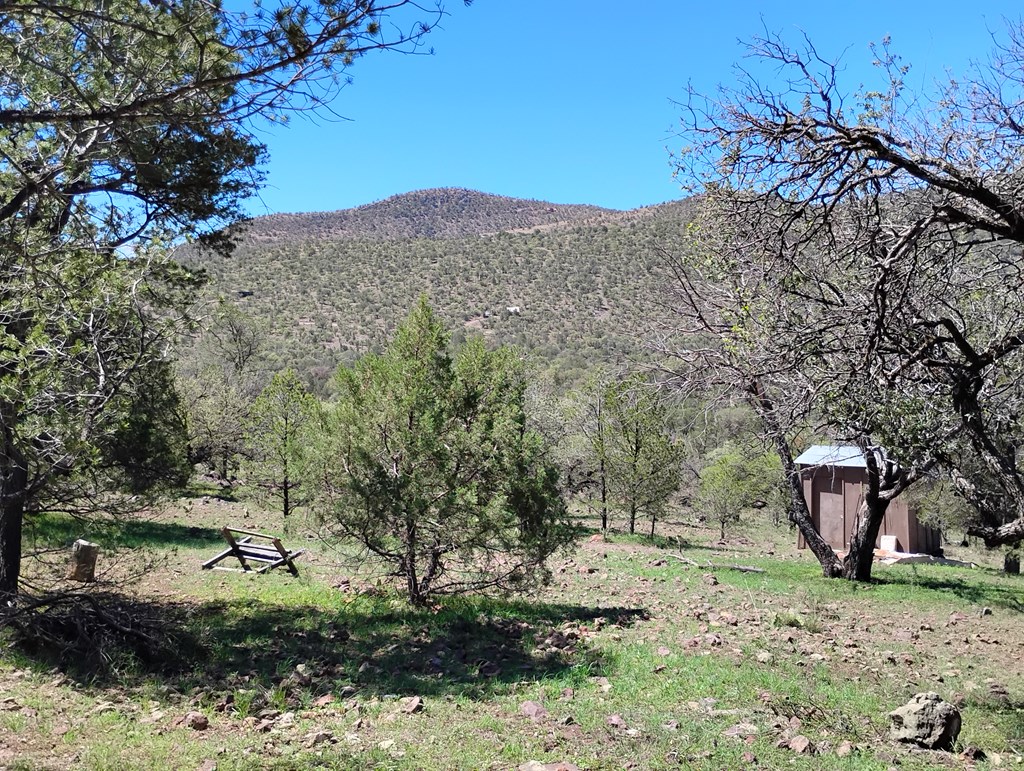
pixel 712 566
pixel 87 633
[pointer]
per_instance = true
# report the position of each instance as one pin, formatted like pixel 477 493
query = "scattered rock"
pixel 845 749
pixel 324 700
pixel 927 721
pixel 411 704
pixel 996 690
pixel 287 720
pixel 801 745
pixel 568 694
pixel 764 657
pixel 318 737
pixel 615 721
pixel 536 712
pixel 974 753
pixel 197 721
pixel 536 765
pixel 709 579
pixel 207 765
pixel 707 704
pixel 740 731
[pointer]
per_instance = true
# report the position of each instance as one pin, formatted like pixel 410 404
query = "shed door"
pixel 831 510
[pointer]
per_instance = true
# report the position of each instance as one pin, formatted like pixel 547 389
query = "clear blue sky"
pixel 571 101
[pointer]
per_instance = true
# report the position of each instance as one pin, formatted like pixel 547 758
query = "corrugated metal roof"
pixel 832 455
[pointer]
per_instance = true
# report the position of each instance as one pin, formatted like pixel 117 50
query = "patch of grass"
pixel 59 530
pixel 207 488
pixel 797 621
pixel 982 587
pixel 651 642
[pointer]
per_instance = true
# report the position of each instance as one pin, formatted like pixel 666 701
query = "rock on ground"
pixel 926 720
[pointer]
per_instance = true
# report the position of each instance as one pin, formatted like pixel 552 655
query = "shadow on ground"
pixel 374 645
pixel 995 593
pixel 674 543
pixel 55 531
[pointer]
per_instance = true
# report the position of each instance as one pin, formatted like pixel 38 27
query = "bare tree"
pixel 856 266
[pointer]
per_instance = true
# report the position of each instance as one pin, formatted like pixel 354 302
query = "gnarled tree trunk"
pixel 798 512
pixel 13 493
pixel 861 555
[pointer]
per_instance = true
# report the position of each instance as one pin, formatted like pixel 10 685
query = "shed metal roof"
pixel 832 455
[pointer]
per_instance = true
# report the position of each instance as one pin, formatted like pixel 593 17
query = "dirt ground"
pixel 638 655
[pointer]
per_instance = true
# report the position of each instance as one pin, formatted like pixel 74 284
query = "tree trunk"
pixel 1010 534
pixel 861 556
pixel 13 484
pixel 654 518
pixel 285 500
pixel 604 499
pixel 411 579
pixel 1011 564
pixel 798 512
pixel 632 519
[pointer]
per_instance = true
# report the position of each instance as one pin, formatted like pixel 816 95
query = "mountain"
pixel 327 287
pixel 438 213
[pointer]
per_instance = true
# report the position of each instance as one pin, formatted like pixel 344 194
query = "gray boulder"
pixel 927 721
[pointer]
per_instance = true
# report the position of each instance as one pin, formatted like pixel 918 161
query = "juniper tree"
pixel 280 427
pixel 125 127
pixel 426 462
pixel 642 462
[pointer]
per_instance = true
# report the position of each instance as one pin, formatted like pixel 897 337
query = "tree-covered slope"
pixel 585 287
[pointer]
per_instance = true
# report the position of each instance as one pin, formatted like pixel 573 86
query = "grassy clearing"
pixel 631 659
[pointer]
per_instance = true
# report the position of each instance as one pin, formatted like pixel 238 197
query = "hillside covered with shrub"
pixel 325 287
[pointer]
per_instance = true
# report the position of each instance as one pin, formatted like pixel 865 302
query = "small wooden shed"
pixel 834 479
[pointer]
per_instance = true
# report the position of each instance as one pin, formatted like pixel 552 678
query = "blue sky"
pixel 572 101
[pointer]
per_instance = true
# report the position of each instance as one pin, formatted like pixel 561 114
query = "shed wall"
pixel 834 495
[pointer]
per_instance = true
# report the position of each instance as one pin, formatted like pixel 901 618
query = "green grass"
pixel 58 530
pixel 641 624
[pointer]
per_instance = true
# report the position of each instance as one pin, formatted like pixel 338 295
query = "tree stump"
pixel 83 561
pixel 1011 564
